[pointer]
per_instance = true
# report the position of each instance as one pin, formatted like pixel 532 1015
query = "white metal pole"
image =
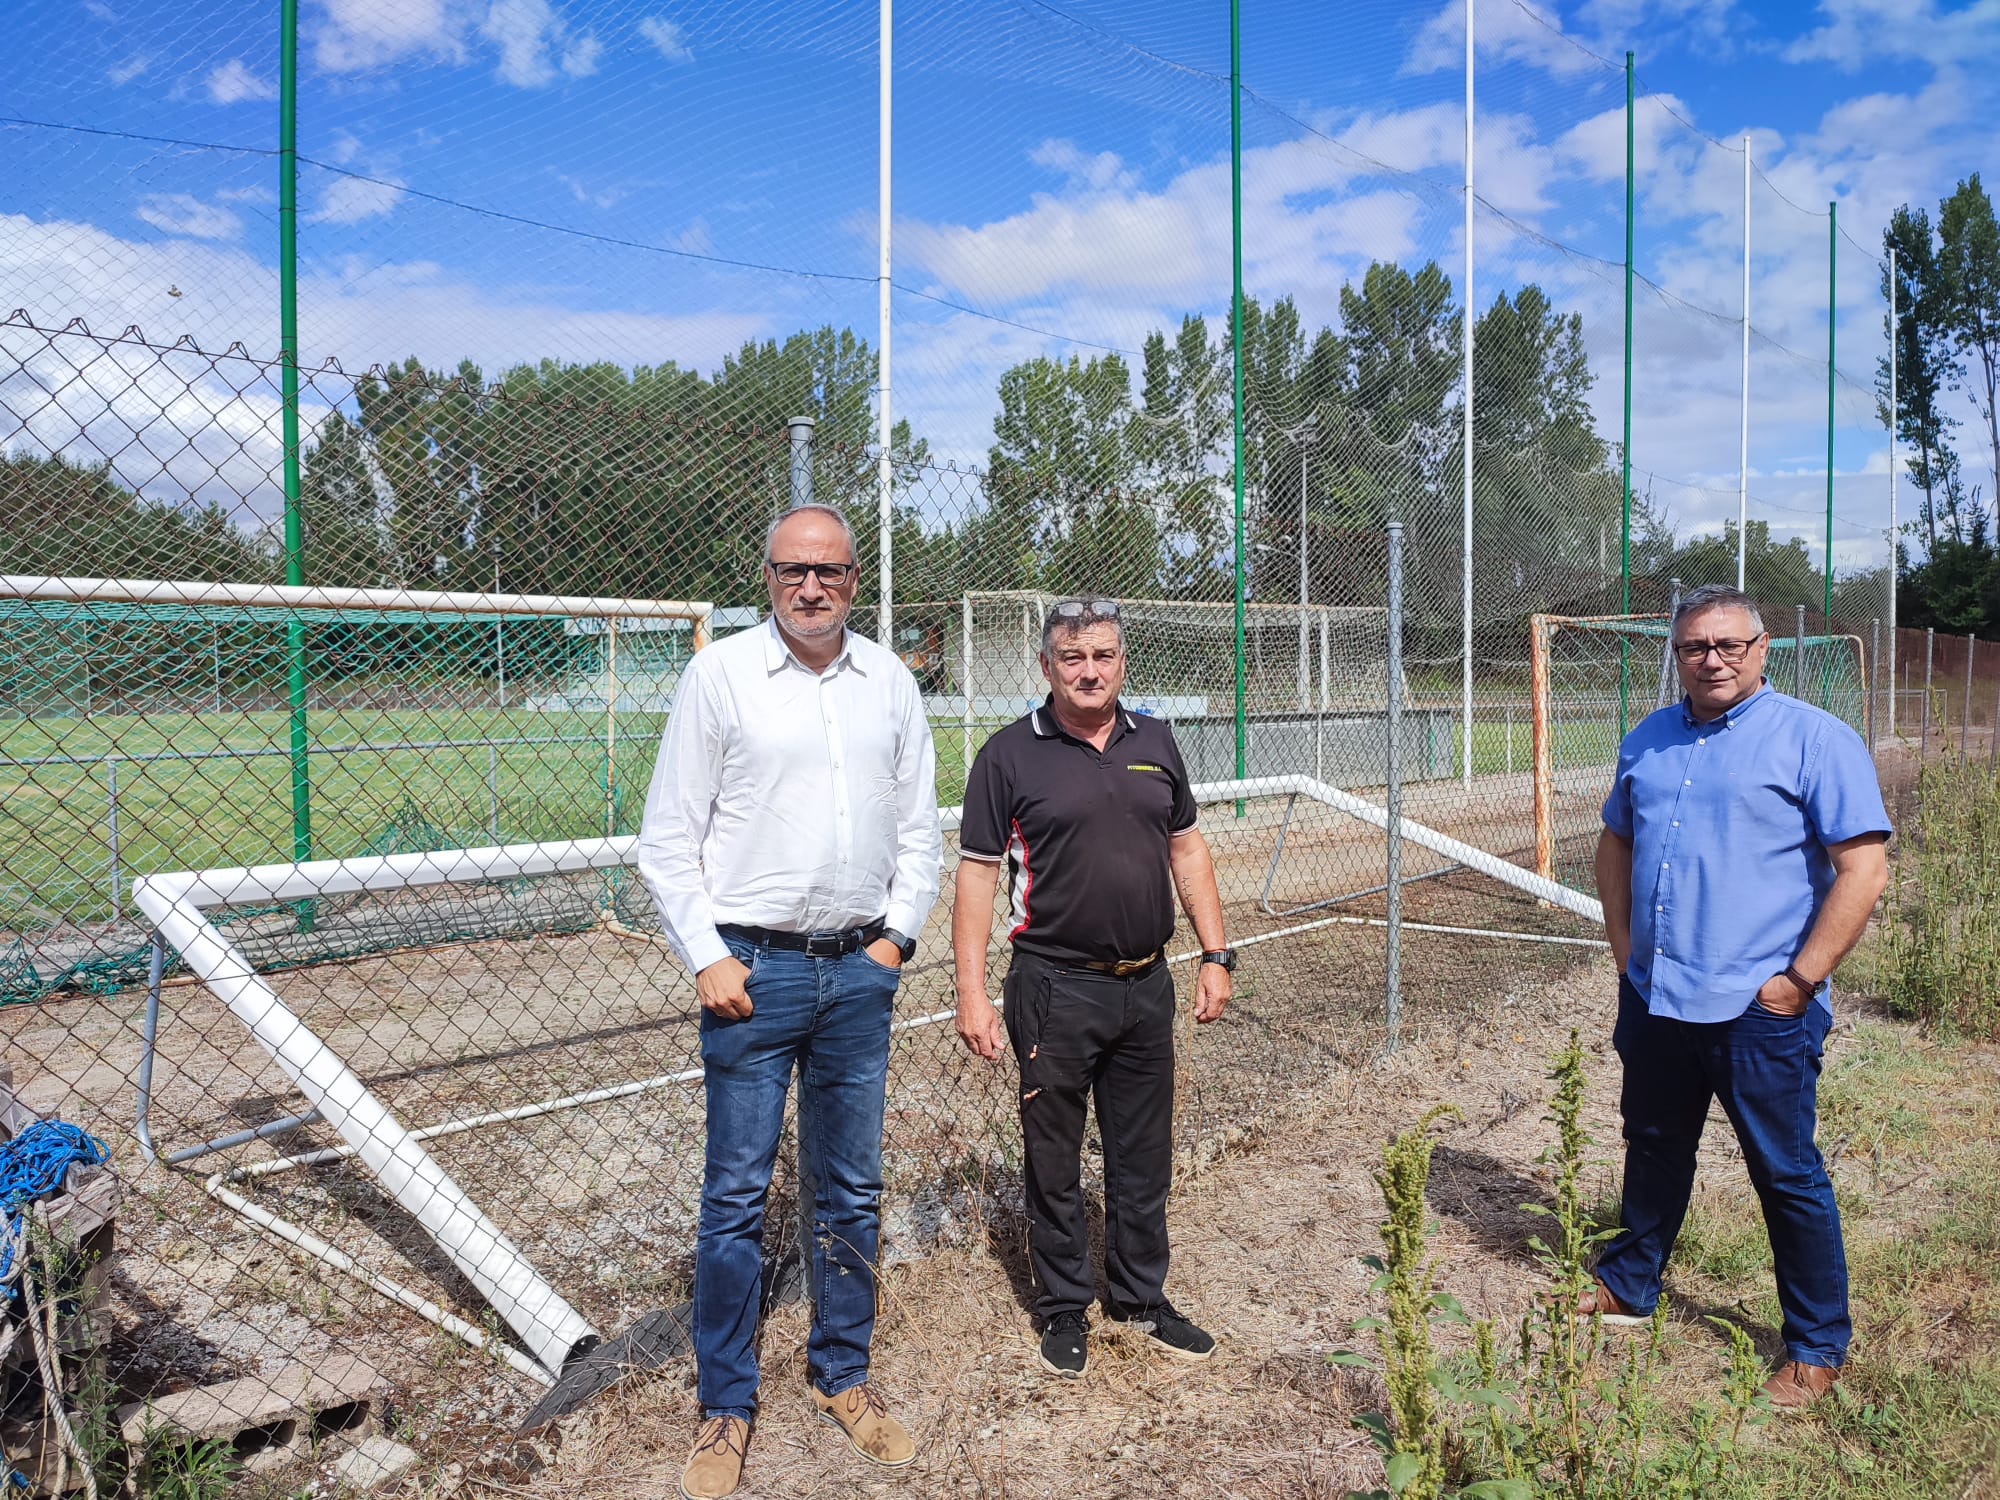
pixel 1894 556
pixel 1305 585
pixel 1743 456
pixel 1465 543
pixel 884 468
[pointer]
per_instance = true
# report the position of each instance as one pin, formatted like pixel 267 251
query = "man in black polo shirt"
pixel 1088 806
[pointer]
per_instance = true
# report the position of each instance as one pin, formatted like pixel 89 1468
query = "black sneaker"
pixel 1172 1332
pixel 1066 1345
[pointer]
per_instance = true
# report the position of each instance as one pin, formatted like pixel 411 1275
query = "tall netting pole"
pixel 1895 549
pixel 288 338
pixel 1743 437
pixel 1236 363
pixel 885 541
pixel 1465 540
pixel 1625 465
pixel 1393 798
pixel 1832 255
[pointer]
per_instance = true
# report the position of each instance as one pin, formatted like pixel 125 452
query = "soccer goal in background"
pixel 149 725
pixel 1315 682
pixel 1593 678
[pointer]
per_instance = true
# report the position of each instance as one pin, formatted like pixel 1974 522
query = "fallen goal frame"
pixel 178 905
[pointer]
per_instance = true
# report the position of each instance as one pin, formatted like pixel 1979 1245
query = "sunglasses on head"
pixel 1085 609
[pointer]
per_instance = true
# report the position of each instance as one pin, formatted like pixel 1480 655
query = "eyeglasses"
pixel 830 575
pixel 1084 609
pixel 1694 653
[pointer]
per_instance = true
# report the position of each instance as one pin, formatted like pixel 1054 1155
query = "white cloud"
pixel 184 214
pixel 358 34
pixel 667 38
pixel 1506 33
pixel 186 425
pixel 1861 33
pixel 125 72
pixel 527 32
pixel 1079 169
pixel 353 200
pixel 694 240
pixel 234 83
pixel 536 45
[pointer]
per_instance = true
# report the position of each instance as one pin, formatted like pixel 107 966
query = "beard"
pixel 815 626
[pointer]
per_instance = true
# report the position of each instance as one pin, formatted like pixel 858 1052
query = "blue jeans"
pixel 1765 1070
pixel 830 1017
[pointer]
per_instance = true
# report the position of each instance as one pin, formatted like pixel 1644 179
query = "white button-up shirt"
pixel 791 799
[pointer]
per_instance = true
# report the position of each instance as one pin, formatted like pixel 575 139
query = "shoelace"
pixel 714 1437
pixel 871 1404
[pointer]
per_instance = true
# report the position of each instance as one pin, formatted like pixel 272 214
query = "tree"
pixel 346 539
pixel 1969 268
pixel 1182 443
pixel 1924 361
pixel 1067 511
pixel 59 519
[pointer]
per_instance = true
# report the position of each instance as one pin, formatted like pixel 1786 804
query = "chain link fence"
pixel 546 413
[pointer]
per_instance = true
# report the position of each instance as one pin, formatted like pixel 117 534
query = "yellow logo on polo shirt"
pixel 1143 766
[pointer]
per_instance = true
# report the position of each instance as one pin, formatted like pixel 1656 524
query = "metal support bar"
pixel 1393 957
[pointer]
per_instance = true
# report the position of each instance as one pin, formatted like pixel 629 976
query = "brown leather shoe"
pixel 1797 1386
pixel 1596 1301
pixel 715 1467
pixel 871 1431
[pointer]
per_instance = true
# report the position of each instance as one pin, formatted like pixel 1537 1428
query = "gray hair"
pixel 1053 622
pixel 1717 596
pixel 833 515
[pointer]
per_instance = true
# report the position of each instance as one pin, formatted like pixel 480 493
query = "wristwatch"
pixel 1222 958
pixel 906 947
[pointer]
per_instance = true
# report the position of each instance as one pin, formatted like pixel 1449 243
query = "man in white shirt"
pixel 791 843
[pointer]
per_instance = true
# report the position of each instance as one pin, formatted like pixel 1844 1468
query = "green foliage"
pixel 1939 951
pixel 58 519
pixel 1539 1420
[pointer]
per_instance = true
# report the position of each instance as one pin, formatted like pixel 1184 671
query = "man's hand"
pixel 722 989
pixel 1212 989
pixel 1781 997
pixel 885 953
pixel 980 1026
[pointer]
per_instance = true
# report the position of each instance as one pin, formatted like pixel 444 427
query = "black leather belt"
pixel 1124 968
pixel 837 943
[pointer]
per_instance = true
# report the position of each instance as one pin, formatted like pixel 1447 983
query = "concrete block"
pixel 266 1420
pixel 373 1462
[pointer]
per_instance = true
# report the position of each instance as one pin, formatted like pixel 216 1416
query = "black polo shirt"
pixel 1084 833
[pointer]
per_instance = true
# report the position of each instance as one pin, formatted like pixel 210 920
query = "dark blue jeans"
pixel 830 1018
pixel 1764 1068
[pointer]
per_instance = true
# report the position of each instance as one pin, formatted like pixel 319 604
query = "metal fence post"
pixel 493 789
pixel 111 790
pixel 1874 677
pixel 1965 728
pixel 801 488
pixel 1393 756
pixel 1799 653
pixel 1510 739
pixel 1924 730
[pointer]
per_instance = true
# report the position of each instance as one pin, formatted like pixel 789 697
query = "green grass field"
pixel 182 805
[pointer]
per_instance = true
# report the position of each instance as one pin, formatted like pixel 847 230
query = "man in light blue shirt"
pixel 1744 846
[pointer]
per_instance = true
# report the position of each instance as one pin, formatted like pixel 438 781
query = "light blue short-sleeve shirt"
pixel 1729 823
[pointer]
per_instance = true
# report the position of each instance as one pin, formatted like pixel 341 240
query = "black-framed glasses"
pixel 1694 653
pixel 830 575
pixel 1084 609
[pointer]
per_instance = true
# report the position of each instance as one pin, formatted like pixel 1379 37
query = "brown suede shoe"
pixel 1797 1386
pixel 1598 1302
pixel 715 1467
pixel 870 1430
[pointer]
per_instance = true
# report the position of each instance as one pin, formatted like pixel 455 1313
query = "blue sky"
pixel 1060 166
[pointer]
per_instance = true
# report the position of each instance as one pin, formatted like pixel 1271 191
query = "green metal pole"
pixel 1236 360
pixel 288 337
pixel 1625 523
pixel 1826 651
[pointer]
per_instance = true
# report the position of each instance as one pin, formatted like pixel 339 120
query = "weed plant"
pixel 1542 1420
pixel 1940 950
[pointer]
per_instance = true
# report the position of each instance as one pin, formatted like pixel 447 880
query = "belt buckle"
pixel 1129 966
pixel 826 944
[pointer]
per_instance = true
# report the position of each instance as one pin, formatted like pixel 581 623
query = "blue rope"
pixel 33 1165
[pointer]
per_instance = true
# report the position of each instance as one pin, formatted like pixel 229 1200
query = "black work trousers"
pixel 1078 1034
